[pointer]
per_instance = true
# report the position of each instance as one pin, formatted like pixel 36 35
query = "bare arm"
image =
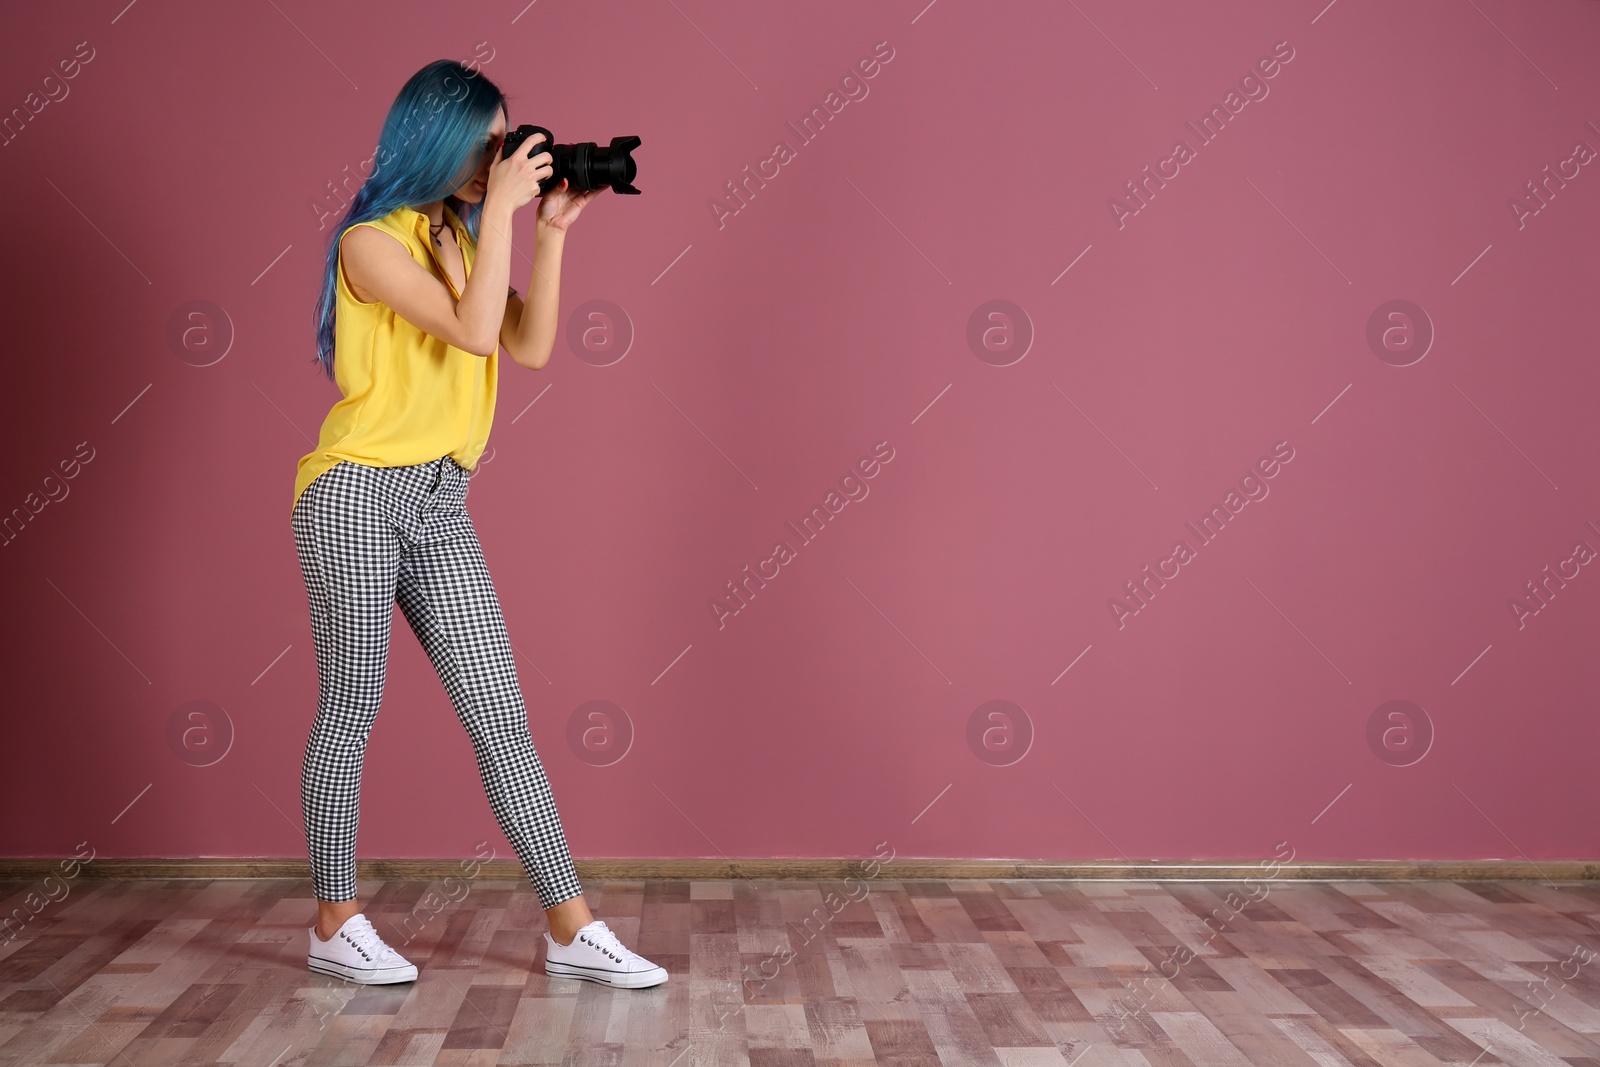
pixel 379 267
pixel 529 331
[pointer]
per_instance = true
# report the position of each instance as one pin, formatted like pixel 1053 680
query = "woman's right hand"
pixel 514 180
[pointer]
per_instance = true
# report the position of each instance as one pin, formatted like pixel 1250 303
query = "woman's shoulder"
pixel 400 223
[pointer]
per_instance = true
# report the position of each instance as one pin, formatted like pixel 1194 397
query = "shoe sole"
pixel 378 976
pixel 635 980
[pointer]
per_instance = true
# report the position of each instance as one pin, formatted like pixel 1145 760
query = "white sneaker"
pixel 358 954
pixel 596 955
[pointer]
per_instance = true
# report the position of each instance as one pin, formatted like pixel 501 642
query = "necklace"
pixel 435 231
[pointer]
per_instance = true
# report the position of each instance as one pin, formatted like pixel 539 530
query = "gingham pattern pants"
pixel 368 537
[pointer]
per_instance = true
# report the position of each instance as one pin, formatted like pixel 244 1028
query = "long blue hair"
pixel 432 143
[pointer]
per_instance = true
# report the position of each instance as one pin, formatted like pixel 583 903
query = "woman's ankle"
pixel 567 918
pixel 331 915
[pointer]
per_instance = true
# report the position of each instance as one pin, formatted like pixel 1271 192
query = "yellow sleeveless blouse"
pixel 408 397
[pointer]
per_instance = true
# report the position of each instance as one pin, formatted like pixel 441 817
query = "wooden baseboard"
pixel 823 870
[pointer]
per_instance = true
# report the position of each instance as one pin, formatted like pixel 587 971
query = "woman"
pixel 412 315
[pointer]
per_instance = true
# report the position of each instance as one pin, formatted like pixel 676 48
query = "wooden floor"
pixel 1015 973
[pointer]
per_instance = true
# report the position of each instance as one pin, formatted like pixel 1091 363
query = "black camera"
pixel 585 165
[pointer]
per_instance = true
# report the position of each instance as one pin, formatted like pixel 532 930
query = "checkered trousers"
pixel 366 538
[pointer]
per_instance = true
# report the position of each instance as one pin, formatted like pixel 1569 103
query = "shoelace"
pixel 360 933
pixel 600 936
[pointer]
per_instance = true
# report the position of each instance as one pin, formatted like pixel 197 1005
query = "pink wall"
pixel 1171 352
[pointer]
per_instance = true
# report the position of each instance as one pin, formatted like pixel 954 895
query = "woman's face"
pixel 474 191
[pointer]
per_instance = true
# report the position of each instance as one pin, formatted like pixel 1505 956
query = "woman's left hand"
pixel 560 206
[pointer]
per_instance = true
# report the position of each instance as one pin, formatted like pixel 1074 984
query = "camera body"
pixel 585 165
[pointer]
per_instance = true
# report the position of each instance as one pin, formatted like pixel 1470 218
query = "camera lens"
pixel 584 165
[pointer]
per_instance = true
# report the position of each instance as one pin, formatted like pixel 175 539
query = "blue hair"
pixel 432 143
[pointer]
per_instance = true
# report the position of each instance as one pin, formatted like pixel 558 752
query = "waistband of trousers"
pixel 427 478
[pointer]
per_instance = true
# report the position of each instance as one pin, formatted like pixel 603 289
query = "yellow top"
pixel 409 397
